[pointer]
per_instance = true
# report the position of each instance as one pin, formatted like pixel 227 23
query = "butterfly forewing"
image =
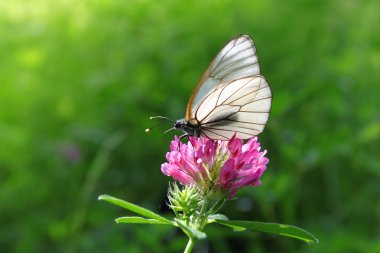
pixel 237 59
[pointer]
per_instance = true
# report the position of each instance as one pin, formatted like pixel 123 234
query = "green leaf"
pixel 226 222
pixel 135 208
pixel 191 232
pixel 274 228
pixel 139 220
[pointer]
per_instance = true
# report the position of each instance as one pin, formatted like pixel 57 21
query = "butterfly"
pixel 231 98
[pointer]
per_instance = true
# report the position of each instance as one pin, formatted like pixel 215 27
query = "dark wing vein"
pixel 240 36
pixel 227 130
pixel 215 121
pixel 240 127
pixel 252 123
pixel 206 129
pixel 205 97
pixel 239 68
pixel 220 87
pixel 221 59
pixel 233 62
pixel 208 114
pixel 217 101
pixel 237 89
pixel 247 94
pixel 235 54
pixel 254 111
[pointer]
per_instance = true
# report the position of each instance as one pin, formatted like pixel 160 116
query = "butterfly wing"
pixel 236 60
pixel 239 107
pixel 231 97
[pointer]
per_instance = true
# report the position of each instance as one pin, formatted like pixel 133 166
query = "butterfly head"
pixel 188 127
pixel 180 124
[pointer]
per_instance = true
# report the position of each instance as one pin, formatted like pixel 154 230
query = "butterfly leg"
pixel 183 136
pixel 180 138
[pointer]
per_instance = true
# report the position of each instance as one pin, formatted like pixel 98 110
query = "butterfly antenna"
pixel 158 117
pixel 151 128
pixel 162 117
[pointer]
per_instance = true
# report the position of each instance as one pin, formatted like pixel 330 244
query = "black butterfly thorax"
pixel 188 128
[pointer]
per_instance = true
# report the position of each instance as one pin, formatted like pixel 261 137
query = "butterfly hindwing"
pixel 242 107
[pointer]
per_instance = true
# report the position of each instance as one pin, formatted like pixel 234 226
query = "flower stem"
pixel 203 215
pixel 190 245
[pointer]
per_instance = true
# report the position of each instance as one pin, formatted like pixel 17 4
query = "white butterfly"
pixel 231 97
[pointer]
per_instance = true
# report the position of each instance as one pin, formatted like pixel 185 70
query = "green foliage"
pixel 140 220
pixel 273 228
pixel 134 208
pixel 79 80
pixel 195 234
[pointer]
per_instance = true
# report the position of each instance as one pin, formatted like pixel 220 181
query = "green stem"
pixel 202 215
pixel 190 245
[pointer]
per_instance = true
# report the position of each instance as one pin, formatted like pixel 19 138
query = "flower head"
pixel 216 167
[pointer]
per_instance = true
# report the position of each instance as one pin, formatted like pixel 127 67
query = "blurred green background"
pixel 79 80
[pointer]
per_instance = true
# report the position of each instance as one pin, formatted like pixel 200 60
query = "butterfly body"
pixel 232 98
